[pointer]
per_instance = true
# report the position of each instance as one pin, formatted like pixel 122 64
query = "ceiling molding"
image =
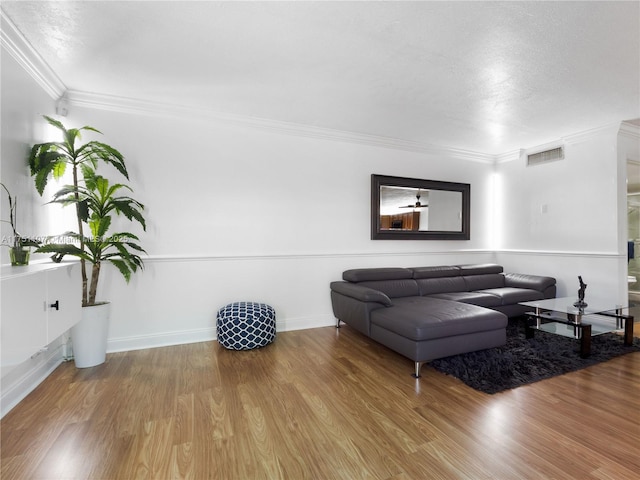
pixel 630 130
pixel 14 43
pixel 508 156
pixel 579 137
pixel 142 107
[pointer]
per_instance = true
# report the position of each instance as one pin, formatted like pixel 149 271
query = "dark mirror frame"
pixel 379 180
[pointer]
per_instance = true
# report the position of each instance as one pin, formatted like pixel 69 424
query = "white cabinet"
pixel 39 303
pixel 63 300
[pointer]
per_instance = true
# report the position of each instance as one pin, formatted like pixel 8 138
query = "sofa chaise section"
pixel 424 329
pixel 427 313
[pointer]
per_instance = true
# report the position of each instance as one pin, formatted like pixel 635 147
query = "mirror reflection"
pixel 406 208
pixel 416 209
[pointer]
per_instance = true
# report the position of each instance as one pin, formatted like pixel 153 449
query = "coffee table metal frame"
pixel 580 323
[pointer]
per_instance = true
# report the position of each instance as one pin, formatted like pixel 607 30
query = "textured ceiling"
pixel 489 77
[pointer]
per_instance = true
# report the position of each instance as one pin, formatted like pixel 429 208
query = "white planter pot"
pixel 89 336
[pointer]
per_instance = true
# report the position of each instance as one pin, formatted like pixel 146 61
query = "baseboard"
pixel 167 339
pixel 23 385
pixel 304 323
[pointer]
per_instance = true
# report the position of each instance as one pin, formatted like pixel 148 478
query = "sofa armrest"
pixel 533 282
pixel 358 292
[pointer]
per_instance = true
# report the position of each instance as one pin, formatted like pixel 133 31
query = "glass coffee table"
pixel 560 317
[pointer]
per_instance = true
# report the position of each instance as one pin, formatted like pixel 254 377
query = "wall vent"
pixel 545 156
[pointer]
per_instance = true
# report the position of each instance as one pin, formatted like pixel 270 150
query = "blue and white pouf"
pixel 246 325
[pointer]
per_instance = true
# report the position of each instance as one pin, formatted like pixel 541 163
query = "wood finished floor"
pixel 317 404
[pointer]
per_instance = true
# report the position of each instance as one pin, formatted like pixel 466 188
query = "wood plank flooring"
pixel 317 404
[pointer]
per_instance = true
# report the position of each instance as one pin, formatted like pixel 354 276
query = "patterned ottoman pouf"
pixel 246 325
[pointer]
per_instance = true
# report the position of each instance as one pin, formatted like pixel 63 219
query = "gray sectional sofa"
pixel 426 313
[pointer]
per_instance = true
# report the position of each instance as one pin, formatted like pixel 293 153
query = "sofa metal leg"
pixel 418 367
pixel 337 323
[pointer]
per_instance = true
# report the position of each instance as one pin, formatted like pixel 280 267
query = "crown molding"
pixel 143 107
pixel 507 156
pixel 630 130
pixel 14 43
pixel 579 137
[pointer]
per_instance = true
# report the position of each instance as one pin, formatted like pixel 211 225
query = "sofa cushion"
pixel 370 274
pixel 512 296
pixel 480 269
pixel 484 281
pixel 534 282
pixel 482 299
pixel 436 272
pixel 429 286
pixel 402 287
pixel 425 318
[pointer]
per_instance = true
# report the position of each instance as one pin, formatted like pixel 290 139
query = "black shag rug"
pixel 523 361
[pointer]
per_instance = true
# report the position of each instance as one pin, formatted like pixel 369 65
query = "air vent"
pixel 545 156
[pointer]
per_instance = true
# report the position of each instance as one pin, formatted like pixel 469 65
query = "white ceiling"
pixel 489 77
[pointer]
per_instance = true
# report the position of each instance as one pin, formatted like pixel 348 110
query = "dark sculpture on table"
pixel 583 286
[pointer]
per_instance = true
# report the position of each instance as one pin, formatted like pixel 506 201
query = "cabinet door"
pixel 64 290
pixel 23 322
pixel 415 221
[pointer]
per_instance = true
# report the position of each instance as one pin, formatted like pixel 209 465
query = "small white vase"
pixel 89 336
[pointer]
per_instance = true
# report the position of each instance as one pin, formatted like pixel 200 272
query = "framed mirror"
pixel 416 209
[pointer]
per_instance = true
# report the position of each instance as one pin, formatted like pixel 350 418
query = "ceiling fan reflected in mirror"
pixel 418 204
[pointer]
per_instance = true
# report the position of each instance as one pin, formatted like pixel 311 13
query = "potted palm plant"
pixel 19 246
pixel 96 201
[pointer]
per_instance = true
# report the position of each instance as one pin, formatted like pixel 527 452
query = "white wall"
pixel 242 213
pixel 561 218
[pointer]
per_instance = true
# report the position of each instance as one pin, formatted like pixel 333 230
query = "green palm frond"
pixel 64 249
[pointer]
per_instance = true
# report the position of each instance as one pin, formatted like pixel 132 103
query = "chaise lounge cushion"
pixel 425 318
